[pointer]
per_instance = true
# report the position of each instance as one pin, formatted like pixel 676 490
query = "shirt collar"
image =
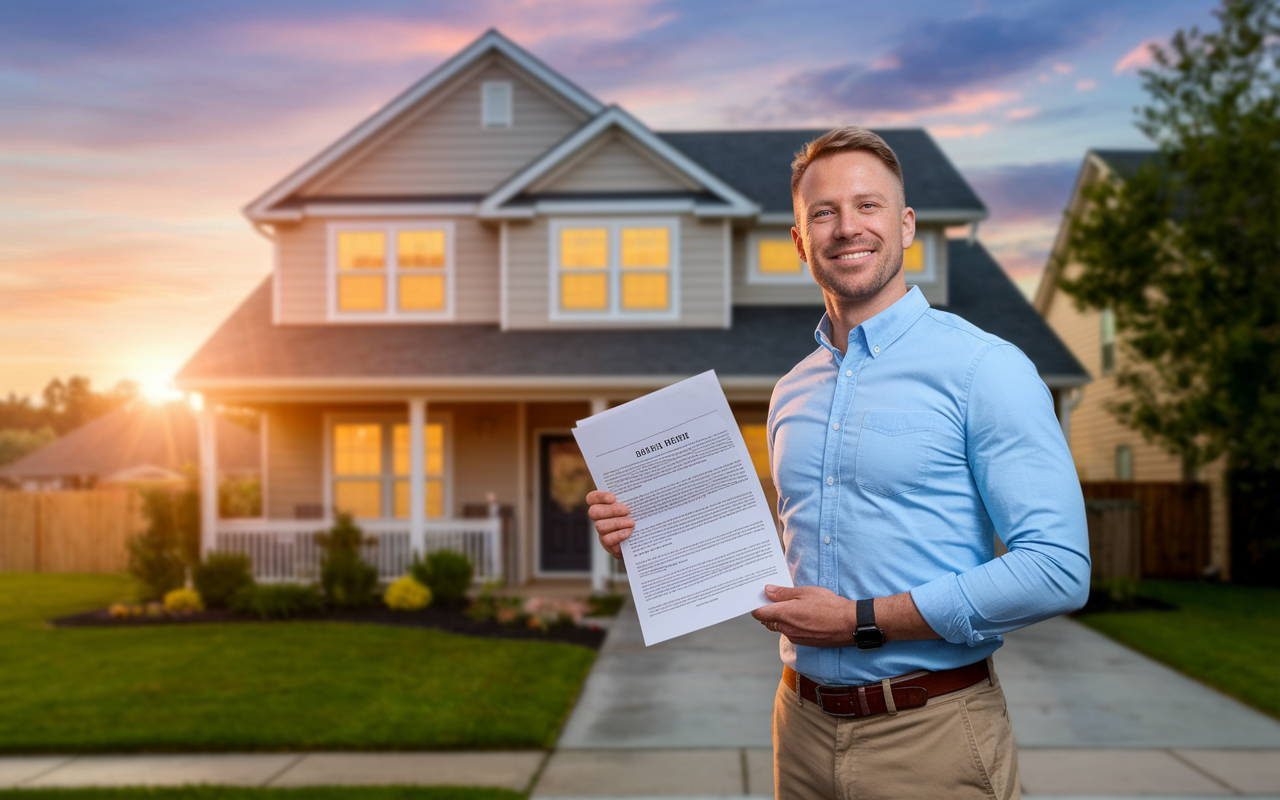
pixel 881 330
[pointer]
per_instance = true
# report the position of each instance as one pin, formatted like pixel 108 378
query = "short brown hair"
pixel 843 140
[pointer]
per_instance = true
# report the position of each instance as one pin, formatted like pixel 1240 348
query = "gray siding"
pixel 614 164
pixel 440 148
pixel 773 294
pixel 702 278
pixel 303 270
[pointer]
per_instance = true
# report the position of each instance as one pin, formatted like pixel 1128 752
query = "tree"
pixel 1186 252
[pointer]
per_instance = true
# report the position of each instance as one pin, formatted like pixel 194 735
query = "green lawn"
pixel 236 793
pixel 264 686
pixel 1226 636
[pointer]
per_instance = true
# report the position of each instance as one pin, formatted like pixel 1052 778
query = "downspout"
pixel 1070 400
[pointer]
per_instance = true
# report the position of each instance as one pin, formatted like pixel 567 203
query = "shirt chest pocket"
pixel 895 451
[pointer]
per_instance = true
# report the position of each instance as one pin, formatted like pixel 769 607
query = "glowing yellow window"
pixel 584 261
pixel 913 257
pixel 756 439
pixel 646 247
pixel 420 257
pixel 357 450
pixel 359 254
pixel 646 260
pixel 778 257
pixel 584 248
pixel 644 291
pixel 420 249
pixel 434 464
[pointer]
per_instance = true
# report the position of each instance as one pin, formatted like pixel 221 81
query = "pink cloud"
pixel 959 131
pixel 1086 85
pixel 1138 58
pixel 1022 113
pixel 1063 69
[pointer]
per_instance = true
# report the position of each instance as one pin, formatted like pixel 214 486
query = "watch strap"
pixel 866 613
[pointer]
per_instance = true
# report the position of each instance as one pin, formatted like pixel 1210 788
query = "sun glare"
pixel 159 390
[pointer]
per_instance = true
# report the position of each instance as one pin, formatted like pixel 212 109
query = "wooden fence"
pixel 1174 524
pixel 68 531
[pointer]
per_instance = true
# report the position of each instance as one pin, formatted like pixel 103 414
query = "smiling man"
pixel 900 448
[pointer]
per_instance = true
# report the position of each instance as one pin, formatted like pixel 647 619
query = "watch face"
pixel 868 638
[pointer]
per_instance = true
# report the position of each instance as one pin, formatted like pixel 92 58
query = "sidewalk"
pixel 690 719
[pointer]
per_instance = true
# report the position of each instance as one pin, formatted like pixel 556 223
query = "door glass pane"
pixel 362 250
pixel 584 292
pixel 421 292
pixel 778 257
pixel 584 248
pixel 645 291
pixel 420 249
pixel 357 449
pixel 359 498
pixel 646 247
pixel 362 292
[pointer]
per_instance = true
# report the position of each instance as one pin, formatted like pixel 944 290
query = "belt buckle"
pixel 844 692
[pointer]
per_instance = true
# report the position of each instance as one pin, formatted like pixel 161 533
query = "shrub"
pixel 158 557
pixel 240 497
pixel 447 573
pixel 277 600
pixel 348 581
pixel 406 594
pixel 180 600
pixel 221 576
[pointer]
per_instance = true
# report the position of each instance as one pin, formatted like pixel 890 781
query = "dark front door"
pixel 566 529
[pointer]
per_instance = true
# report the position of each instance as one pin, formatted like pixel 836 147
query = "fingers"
pixel 601 511
pixel 778 593
pixel 597 497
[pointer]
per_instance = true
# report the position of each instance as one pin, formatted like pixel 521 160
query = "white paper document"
pixel 705 544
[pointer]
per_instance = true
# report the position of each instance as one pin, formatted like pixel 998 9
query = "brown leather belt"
pixel 907 692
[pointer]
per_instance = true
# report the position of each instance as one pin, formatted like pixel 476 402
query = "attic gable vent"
pixel 495 104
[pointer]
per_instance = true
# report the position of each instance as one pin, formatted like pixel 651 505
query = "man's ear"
pixel 908 227
pixel 799 240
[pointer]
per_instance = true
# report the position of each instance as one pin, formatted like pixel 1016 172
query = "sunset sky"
pixel 132 132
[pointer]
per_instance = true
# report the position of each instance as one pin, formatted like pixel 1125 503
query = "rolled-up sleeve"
pixel 1027 481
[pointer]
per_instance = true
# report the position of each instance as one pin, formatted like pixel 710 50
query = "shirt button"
pixel 876 348
pixel 848 373
pixel 836 427
pixel 830 481
pixel 827 540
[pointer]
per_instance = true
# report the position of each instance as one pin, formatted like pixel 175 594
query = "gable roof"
pixel 758 163
pixel 732 202
pixel 1096 164
pixel 764 342
pixel 491 41
pixel 128 439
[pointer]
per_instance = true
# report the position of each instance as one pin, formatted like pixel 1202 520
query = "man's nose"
pixel 850 224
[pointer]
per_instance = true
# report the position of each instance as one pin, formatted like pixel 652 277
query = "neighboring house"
pixel 1105 449
pixel 141 444
pixel 494 255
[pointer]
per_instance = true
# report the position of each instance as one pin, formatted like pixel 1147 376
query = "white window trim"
pixel 390 272
pixel 755 276
pixel 615 312
pixel 388 477
pixel 488 120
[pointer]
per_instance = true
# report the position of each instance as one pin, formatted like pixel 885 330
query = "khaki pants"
pixel 958 745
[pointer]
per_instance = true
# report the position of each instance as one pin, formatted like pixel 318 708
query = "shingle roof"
pixel 758 164
pixel 764 341
pixel 163 436
pixel 1126 162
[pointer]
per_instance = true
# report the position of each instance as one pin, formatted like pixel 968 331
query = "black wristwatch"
pixel 867 635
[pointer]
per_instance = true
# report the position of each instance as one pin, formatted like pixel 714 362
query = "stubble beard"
pixel 859 283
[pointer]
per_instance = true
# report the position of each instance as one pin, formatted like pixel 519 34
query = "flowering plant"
pixel 406 594
pixel 180 600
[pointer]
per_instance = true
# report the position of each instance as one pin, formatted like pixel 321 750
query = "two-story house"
pixel 1104 449
pixel 496 254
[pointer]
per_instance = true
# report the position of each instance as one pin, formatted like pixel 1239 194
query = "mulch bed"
pixel 450 618
pixel 1102 602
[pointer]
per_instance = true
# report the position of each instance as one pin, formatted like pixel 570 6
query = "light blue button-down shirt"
pixel 899 461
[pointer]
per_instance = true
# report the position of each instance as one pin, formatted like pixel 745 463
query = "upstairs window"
pixel 495 104
pixel 772 258
pixel 613 269
pixel 1108 322
pixel 391 271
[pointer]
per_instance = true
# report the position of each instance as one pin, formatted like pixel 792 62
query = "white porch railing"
pixel 286 550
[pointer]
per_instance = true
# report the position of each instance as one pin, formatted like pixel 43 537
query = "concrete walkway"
pixel 690 719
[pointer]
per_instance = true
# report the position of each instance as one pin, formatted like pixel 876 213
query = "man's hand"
pixel 612 523
pixel 809 615
pixel 817 617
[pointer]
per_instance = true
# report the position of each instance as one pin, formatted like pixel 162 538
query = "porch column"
pixel 207 438
pixel 417 476
pixel 599 558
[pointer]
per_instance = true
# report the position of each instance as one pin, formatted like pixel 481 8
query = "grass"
pixel 237 793
pixel 264 686
pixel 1226 636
